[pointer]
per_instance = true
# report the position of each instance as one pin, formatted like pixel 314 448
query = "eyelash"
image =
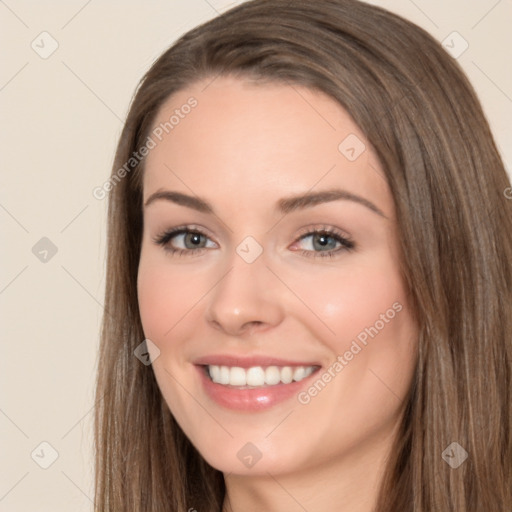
pixel 346 243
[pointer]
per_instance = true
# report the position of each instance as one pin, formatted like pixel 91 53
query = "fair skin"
pixel 243 148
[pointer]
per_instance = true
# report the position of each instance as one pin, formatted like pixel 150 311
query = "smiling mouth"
pixel 257 376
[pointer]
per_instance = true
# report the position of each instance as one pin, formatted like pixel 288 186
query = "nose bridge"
pixel 246 295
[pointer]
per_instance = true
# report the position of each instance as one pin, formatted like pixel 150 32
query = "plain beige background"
pixel 62 113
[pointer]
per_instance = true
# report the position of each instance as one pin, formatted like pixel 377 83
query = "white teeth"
pixel 309 370
pixel 215 373
pixel 237 376
pixel 257 376
pixel 286 375
pixel 299 373
pixel 272 376
pixel 224 375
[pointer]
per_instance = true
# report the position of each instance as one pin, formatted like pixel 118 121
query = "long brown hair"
pixel 423 119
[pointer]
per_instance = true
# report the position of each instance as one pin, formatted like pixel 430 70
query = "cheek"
pixel 352 299
pixel 377 339
pixel 365 307
pixel 164 297
pixel 156 300
pixel 373 344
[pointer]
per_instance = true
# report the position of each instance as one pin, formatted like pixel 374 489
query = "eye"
pixel 183 240
pixel 325 242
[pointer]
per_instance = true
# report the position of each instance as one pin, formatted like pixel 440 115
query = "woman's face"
pixel 281 280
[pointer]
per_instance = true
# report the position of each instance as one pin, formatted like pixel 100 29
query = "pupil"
pixel 194 239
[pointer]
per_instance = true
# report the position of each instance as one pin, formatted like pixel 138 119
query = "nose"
pixel 247 299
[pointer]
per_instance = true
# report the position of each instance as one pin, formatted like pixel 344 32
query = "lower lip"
pixel 256 399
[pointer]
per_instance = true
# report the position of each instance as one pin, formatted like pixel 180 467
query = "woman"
pixel 310 240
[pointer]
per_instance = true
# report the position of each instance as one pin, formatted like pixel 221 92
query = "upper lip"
pixel 248 362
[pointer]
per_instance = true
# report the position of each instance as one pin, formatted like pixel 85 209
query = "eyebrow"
pixel 285 205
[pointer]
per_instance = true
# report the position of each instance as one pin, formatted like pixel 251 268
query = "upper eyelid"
pixel 187 228
pixel 180 230
pixel 323 229
pixel 304 233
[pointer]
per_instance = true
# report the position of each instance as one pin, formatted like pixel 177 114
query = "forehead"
pixel 243 140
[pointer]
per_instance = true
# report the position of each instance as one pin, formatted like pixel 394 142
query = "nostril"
pixel 252 326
